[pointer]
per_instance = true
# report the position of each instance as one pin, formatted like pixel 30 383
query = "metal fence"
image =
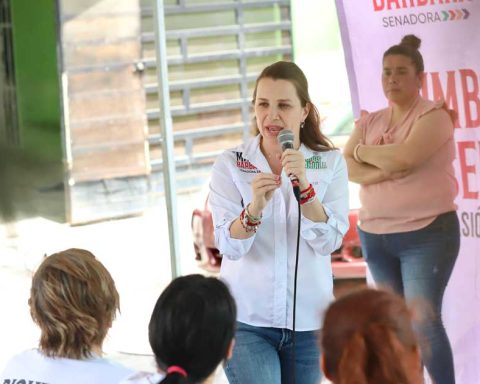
pixel 215 53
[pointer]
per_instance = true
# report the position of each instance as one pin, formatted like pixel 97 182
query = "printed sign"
pixel 449 30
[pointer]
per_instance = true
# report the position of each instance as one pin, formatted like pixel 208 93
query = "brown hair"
pixel 367 337
pixel 73 300
pixel 408 47
pixel 310 134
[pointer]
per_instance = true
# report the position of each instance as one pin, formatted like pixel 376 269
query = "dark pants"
pixel 418 265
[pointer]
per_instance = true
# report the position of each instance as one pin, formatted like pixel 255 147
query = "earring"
pixel 302 124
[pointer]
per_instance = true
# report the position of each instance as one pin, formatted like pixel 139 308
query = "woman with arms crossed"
pixel 255 214
pixel 402 158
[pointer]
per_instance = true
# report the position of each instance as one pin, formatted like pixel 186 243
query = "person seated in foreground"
pixel 191 331
pixel 73 300
pixel 367 337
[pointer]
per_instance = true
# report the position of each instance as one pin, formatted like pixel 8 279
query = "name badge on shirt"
pixel 244 165
pixel 315 162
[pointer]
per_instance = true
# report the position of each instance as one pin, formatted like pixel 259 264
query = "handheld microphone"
pixel 285 139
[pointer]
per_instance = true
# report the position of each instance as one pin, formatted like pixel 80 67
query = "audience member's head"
pixel 192 328
pixel 73 300
pixel 367 337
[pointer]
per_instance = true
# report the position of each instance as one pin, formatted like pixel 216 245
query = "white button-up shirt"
pixel 260 270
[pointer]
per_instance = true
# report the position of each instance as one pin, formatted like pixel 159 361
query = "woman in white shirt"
pixel 73 300
pixel 256 216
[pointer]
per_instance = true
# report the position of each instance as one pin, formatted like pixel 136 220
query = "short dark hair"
pixel 192 326
pixel 310 134
pixel 408 47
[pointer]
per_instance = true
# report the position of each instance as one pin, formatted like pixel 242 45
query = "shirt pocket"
pixel 244 186
pixel 320 180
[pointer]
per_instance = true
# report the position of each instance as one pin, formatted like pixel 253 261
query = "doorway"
pixel 9 127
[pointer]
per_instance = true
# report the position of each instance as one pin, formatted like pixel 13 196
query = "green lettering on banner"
pixel 315 162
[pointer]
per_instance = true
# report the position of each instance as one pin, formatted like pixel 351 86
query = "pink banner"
pixel 450 33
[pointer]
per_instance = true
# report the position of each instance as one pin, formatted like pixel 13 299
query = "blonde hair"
pixel 73 300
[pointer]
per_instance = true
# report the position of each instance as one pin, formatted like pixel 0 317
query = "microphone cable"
pixel 286 138
pixel 295 291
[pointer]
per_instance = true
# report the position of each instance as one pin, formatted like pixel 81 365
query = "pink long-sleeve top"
pixel 414 201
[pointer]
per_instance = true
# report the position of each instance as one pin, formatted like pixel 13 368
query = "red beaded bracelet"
pixel 306 190
pixel 308 198
pixel 247 223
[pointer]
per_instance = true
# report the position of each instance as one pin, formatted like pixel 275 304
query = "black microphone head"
pixel 286 138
